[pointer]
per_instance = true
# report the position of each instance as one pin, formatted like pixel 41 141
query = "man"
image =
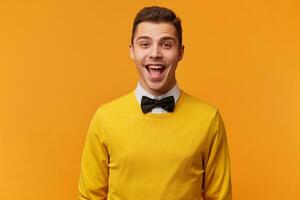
pixel 157 142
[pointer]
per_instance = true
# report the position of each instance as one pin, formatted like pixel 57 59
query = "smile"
pixel 155 68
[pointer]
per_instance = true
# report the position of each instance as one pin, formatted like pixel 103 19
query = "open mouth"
pixel 155 69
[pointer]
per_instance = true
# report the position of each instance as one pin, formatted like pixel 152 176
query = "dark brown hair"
pixel 157 14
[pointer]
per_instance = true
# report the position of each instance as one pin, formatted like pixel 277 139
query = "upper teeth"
pixel 155 66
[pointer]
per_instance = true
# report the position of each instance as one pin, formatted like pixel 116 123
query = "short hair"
pixel 158 14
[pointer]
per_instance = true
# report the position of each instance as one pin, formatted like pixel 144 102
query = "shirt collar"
pixel 140 91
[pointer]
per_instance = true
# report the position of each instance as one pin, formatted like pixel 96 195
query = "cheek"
pixel 140 53
pixel 173 57
pixel 138 58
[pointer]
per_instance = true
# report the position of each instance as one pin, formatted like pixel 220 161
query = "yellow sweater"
pixel 181 155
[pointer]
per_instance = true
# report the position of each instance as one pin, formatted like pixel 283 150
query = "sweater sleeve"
pixel 93 181
pixel 217 179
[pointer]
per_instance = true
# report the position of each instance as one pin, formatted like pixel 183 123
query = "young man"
pixel 157 142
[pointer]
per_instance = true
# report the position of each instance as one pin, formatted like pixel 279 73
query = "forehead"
pixel 155 30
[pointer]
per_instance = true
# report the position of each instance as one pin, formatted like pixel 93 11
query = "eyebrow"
pixel 163 38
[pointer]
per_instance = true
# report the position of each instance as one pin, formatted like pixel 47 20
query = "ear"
pixel 131 52
pixel 181 52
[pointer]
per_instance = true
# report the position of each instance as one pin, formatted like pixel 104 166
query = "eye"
pixel 167 45
pixel 144 44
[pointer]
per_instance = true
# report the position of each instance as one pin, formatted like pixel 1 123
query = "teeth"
pixel 155 66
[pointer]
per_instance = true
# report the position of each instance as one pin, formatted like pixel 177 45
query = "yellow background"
pixel 60 60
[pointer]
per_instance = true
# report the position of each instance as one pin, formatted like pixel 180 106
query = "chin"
pixel 157 87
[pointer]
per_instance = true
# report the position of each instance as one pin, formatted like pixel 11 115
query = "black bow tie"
pixel 167 103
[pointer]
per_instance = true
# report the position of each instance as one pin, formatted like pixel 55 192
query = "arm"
pixel 217 181
pixel 93 182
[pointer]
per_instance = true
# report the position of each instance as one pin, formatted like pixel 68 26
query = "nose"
pixel 155 52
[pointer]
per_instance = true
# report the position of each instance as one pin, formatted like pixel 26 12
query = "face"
pixel 156 53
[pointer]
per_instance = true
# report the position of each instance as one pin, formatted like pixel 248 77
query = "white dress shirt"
pixel 140 91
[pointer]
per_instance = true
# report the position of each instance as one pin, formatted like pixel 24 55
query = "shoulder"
pixel 196 105
pixel 122 104
pixel 201 112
